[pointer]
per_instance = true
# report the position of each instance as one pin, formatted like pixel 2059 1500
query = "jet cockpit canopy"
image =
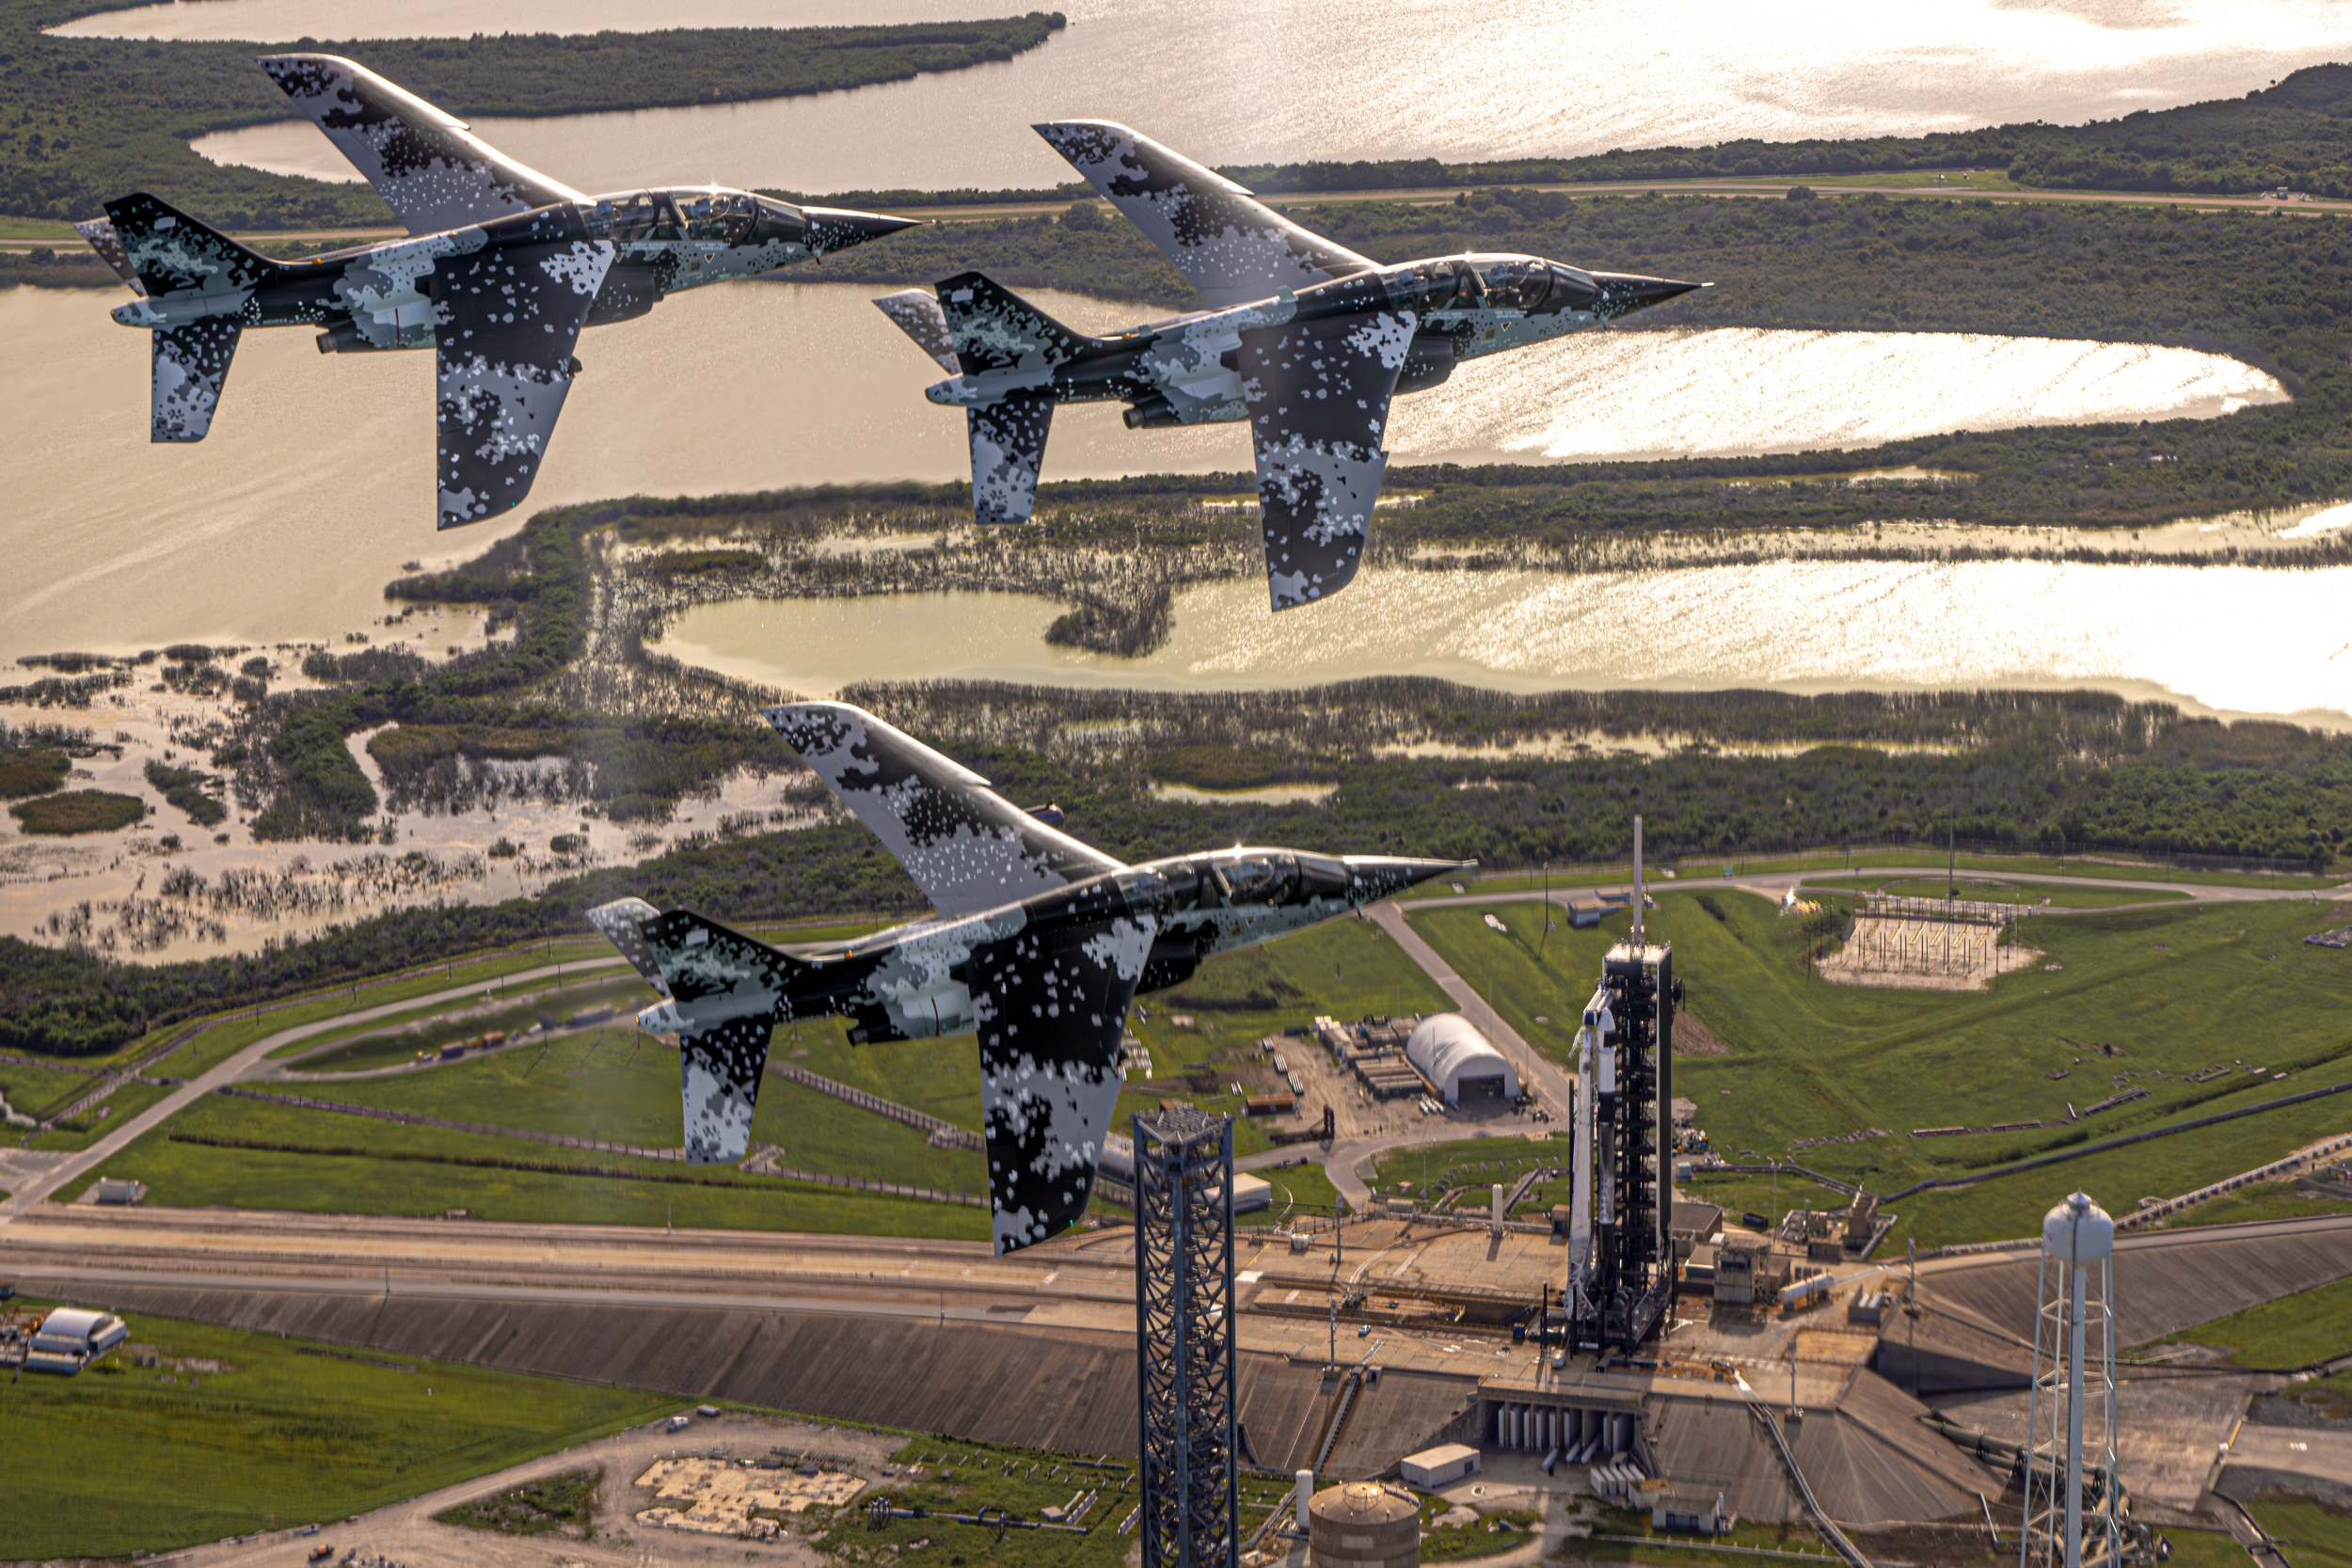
pixel 710 214
pixel 1523 283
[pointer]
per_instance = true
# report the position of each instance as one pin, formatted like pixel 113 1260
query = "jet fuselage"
pixel 913 981
pixel 1440 312
pixel 631 250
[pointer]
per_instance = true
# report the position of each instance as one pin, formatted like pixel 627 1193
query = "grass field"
pixel 1021 1482
pixel 1477 1163
pixel 127 1100
pixel 2264 1200
pixel 1809 1060
pixel 1298 1190
pixel 2031 894
pixel 2291 1331
pixel 382 1183
pixel 1830 866
pixel 2313 1534
pixel 35 1091
pixel 134 1463
pixel 2205 1548
pixel 381 1046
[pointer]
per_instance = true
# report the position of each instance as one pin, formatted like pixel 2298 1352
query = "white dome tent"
pixel 1457 1058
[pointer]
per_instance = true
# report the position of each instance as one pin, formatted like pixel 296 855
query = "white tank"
pixel 2078 1233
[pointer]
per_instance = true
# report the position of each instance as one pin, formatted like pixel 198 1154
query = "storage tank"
pixel 1360 1525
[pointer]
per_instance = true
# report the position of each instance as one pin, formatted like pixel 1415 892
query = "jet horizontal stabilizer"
pixel 726 993
pixel 916 313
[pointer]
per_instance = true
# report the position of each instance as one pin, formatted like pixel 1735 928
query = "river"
pixel 1279 80
pixel 2232 641
pixel 316 484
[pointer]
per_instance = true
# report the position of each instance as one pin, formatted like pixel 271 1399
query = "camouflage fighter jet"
pixel 1040 945
pixel 1304 339
pixel 502 268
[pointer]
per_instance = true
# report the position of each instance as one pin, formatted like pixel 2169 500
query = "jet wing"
pixel 966 846
pixel 432 171
pixel 1231 248
pixel 1052 1009
pixel 1318 398
pixel 505 321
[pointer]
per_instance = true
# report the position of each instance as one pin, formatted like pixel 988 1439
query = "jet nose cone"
pixel 832 229
pixel 1622 294
pixel 1379 876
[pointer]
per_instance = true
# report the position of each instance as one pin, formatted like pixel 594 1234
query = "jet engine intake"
pixel 1428 361
pixel 628 293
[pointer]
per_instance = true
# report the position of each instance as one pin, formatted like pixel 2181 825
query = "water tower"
pixel 2072 1497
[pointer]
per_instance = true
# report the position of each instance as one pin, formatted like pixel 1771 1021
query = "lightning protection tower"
pixel 2072 1502
pixel 1184 1338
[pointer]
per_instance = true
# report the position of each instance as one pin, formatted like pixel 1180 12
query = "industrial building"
pixel 1457 1061
pixel 71 1337
pixel 1250 1193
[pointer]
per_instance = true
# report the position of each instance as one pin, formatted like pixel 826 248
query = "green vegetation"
pixel 2031 895
pixel 1498 1530
pixel 392 1047
pixel 1473 1165
pixel 31 770
pixel 2270 292
pixel 2291 1331
pixel 363 1167
pixel 187 789
pixel 118 1108
pixel 2291 135
pixel 83 121
pixel 1783 1537
pixel 2317 1535
pixel 2264 1200
pixel 1021 1482
pixel 1808 1060
pixel 78 811
pixel 283 1433
pixel 561 1504
pixel 37 1092
pixel 1298 1190
pixel 1217 766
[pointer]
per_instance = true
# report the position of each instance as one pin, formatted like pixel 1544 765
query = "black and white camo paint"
pixel 1007 454
pixel 1229 246
pixel 1306 340
pixel 503 269
pixel 1051 1007
pixel 505 322
pixel 917 314
pixel 1044 977
pixel 432 171
pixel 191 365
pixel 1318 394
pixel 966 846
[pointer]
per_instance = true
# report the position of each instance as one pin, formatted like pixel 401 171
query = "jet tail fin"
pixel 992 328
pixel 726 993
pixel 170 253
